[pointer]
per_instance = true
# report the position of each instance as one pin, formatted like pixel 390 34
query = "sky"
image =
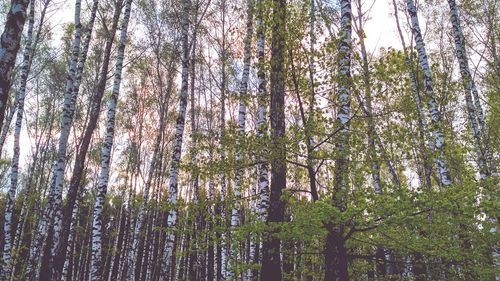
pixel 380 29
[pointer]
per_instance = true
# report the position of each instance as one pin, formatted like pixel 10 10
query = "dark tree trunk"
pixel 119 246
pixel 9 46
pixel 336 260
pixel 419 268
pixel 271 259
pixel 210 254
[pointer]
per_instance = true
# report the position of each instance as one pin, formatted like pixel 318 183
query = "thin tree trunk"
pixel 53 206
pixel 235 212
pixel 95 267
pixel 375 166
pixel 176 154
pixel 223 259
pixel 28 55
pixel 439 140
pixel 335 252
pixel 69 249
pixel 422 124
pixel 59 244
pixel 263 167
pixel 142 210
pixel 475 114
pixel 309 121
pixel 193 256
pixel 311 173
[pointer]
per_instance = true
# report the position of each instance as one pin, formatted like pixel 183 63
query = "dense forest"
pixel 249 140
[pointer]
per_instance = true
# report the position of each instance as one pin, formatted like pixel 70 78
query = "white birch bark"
pixel 421 121
pixel 96 258
pixel 71 238
pixel 235 212
pixel 343 99
pixel 474 108
pixel 262 115
pixel 28 54
pixel 223 188
pixel 75 89
pixel 176 154
pixel 10 116
pixel 439 140
pixel 56 241
pixel 21 230
pixel 475 113
pixel 263 167
pixel 55 194
pixel 66 122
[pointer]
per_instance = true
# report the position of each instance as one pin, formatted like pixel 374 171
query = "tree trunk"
pixel 9 46
pixel 176 154
pixel 375 166
pixel 336 263
pixel 469 85
pixel 59 245
pixel 271 258
pixel 425 177
pixel 335 253
pixel 439 140
pixel 53 207
pixel 235 212
pixel 95 269
pixel 261 121
pixel 28 55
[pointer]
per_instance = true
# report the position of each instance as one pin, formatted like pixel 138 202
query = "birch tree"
pixel 437 131
pixel 176 154
pixel 55 195
pixel 27 58
pixel 360 200
pixel 262 111
pixel 96 259
pixel 59 246
pixel 335 251
pixel 235 212
pixel 474 111
pixel 425 175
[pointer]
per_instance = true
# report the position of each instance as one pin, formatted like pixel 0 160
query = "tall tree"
pixel 474 111
pixel 242 111
pixel 176 154
pixel 425 175
pixel 55 194
pixel 437 130
pixel 27 59
pixel 262 112
pixel 96 260
pixel 271 258
pixel 335 250
pixel 59 246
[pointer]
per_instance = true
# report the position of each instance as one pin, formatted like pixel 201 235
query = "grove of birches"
pixel 166 140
